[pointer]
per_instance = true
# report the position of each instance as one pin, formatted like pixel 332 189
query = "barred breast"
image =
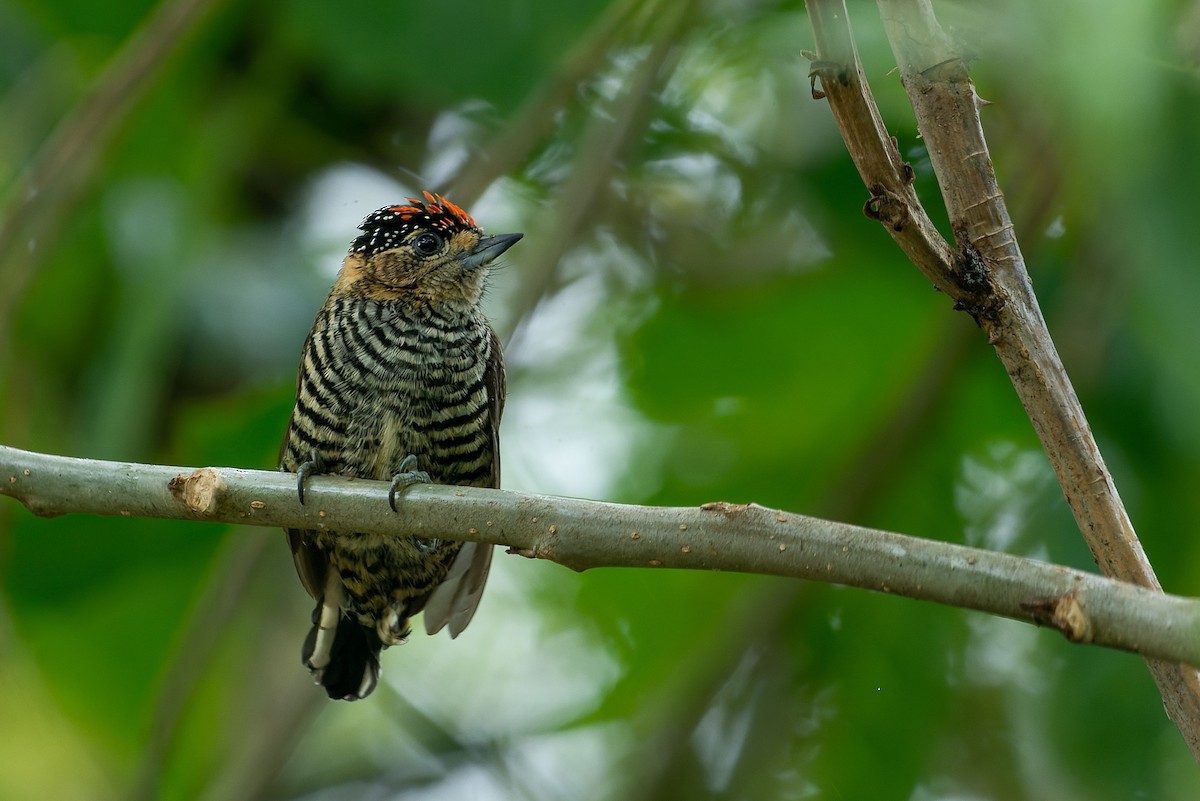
pixel 379 381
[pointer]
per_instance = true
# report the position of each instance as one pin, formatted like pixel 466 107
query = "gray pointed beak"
pixel 489 248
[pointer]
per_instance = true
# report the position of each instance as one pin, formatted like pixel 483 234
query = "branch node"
pixel 197 490
pixel 825 70
pixel 545 547
pixel 971 272
pixel 973 277
pixel 1064 613
pixel 726 508
pixel 887 207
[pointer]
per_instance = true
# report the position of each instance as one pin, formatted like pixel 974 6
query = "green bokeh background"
pixel 699 311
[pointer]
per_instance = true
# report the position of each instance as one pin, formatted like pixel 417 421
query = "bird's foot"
pixel 406 477
pixel 313 466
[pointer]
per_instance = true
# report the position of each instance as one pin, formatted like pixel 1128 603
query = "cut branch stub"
pixel 196 490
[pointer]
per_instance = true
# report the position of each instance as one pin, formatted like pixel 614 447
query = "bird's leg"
pixel 406 477
pixel 313 466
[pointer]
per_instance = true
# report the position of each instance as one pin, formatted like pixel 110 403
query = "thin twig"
pixel 985 273
pixel 609 136
pixel 946 107
pixel 534 121
pixel 893 201
pixel 947 110
pixel 61 169
pixel 212 612
pixel 584 534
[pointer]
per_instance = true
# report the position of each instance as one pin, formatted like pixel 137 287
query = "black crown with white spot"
pixel 388 227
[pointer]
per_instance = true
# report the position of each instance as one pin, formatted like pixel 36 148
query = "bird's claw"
pixel 306 469
pixel 406 477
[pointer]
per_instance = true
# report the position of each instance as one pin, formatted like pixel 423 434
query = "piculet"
pixel 401 379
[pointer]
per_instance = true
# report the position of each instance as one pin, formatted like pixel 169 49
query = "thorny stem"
pixel 984 272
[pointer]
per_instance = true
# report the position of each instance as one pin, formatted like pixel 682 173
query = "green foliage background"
pixel 699 311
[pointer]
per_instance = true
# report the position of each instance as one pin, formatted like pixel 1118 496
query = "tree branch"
pixel 985 273
pixel 947 111
pixel 585 534
pixel 888 177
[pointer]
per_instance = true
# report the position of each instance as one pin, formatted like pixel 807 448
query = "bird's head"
pixel 427 250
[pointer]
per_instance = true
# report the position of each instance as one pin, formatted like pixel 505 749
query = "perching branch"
pixel 984 272
pixel 584 534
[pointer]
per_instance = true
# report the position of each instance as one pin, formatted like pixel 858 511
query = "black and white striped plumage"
pixel 400 363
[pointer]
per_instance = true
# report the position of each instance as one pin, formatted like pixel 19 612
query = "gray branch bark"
pixel 580 534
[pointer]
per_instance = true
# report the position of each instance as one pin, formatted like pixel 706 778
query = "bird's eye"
pixel 427 244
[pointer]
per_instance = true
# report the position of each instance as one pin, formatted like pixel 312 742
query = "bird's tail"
pixel 341 653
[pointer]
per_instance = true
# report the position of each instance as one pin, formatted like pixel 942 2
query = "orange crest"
pixel 389 226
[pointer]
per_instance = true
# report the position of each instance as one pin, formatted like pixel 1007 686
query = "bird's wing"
pixel 312 564
pixel 493 379
pixel 453 602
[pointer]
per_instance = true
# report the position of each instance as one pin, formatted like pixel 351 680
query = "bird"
pixel 401 379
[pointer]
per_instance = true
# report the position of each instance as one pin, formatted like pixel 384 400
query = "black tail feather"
pixel 353 669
